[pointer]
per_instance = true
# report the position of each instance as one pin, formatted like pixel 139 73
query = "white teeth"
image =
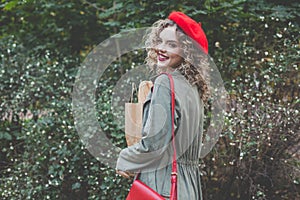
pixel 163 56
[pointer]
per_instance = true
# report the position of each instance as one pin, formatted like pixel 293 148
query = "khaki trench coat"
pixel 152 156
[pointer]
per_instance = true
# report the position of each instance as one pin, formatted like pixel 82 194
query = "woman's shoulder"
pixel 161 79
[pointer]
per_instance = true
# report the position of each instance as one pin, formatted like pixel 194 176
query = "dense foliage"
pixel 254 43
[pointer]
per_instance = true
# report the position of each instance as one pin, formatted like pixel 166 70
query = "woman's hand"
pixel 125 174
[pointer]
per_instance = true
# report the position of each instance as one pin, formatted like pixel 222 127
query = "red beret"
pixel 191 28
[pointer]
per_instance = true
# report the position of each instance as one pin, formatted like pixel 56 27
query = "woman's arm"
pixel 150 151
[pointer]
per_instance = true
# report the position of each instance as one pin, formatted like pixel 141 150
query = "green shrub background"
pixel 255 45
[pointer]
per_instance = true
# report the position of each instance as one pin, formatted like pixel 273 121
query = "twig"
pixel 93 5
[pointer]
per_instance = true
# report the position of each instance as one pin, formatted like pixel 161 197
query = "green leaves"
pixel 5 136
pixel 10 5
pixel 76 186
pixel 116 7
pixel 254 43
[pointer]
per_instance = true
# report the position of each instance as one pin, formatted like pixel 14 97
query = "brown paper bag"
pixel 134 113
pixel 133 122
pixel 144 89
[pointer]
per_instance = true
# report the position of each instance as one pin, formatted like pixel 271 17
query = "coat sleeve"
pixel 157 135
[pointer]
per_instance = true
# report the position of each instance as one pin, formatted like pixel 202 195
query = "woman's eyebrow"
pixel 172 41
pixel 169 40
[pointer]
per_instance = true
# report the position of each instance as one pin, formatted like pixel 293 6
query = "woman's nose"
pixel 161 47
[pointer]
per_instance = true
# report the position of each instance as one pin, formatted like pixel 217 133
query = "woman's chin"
pixel 161 66
pixel 165 69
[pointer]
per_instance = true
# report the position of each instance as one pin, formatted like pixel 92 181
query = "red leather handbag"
pixel 140 190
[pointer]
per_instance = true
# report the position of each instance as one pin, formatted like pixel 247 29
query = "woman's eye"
pixel 159 41
pixel 173 45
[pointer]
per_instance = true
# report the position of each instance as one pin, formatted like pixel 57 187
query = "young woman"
pixel 178 46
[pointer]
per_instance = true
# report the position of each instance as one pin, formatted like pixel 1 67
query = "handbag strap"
pixel 173 193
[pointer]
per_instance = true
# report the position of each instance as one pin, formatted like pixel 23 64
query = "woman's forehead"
pixel 168 33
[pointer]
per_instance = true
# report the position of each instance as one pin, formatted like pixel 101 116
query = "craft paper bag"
pixel 134 114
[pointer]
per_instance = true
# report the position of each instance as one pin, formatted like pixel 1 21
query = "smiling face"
pixel 168 50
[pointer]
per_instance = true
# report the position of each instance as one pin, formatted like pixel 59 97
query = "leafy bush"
pixel 255 44
pixel 257 158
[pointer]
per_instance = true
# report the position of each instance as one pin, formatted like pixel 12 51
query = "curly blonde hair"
pixel 195 65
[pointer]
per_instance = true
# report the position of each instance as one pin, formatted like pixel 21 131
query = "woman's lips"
pixel 162 57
